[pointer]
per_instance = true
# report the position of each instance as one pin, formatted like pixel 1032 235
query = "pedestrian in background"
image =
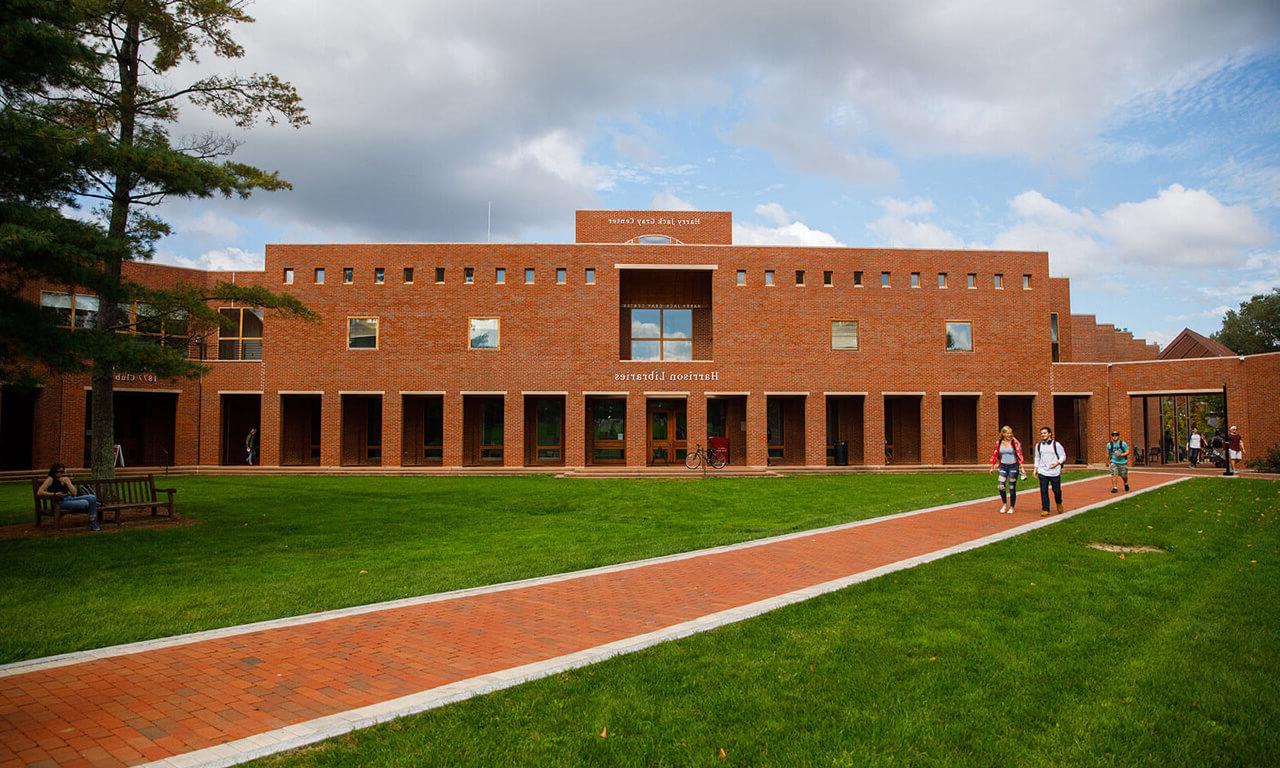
pixel 1118 453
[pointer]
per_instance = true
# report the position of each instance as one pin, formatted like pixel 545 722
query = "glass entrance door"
pixel 668 432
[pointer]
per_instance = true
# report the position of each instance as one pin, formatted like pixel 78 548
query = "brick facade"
pixel 562 340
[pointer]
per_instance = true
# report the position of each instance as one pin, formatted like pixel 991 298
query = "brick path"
pixel 157 704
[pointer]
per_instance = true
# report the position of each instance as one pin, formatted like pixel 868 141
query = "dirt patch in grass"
pixel 1125 548
pixel 127 523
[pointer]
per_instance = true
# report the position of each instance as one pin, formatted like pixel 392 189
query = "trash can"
pixel 842 453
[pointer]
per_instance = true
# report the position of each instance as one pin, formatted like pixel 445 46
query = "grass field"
pixel 1036 651
pixel 268 547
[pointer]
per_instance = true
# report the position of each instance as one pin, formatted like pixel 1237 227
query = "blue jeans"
pixel 85 502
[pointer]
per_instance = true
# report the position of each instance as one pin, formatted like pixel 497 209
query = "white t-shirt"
pixel 1196 440
pixel 1047 455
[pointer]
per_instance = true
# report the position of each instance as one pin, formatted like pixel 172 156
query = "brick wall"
pixel 565 338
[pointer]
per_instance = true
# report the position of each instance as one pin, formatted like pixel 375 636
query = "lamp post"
pixel 1226 439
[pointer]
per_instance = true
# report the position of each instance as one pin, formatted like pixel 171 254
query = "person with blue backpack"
pixel 1118 453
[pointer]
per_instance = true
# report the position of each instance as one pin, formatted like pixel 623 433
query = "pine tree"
pixel 98 112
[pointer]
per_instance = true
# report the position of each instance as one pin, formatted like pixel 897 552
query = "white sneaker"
pixel 1004 508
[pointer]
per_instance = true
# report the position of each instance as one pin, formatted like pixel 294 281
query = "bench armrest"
pixel 169 491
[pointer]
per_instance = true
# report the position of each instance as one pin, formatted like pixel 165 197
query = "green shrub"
pixel 1268 462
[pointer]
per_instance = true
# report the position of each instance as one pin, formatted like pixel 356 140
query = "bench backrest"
pixel 125 490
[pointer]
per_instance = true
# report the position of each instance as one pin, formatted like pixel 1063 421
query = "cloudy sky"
pixel 1138 143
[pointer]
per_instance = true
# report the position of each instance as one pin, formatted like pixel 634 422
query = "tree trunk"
pixel 109 313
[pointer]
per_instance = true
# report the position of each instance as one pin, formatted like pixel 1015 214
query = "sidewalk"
pixel 226 696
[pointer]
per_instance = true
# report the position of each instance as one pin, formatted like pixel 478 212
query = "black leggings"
pixel 1045 482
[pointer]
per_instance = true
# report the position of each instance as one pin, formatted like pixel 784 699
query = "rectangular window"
pixel 439 274
pixel 1026 282
pixel 661 334
pixel 240 333
pixel 319 275
pixel 768 277
pixel 742 277
pixel 483 333
pixel 528 275
pixel 288 275
pixel 492 414
pixel 608 430
pixel 942 279
pixel 915 279
pixel 500 275
pixel 362 333
pixel 959 336
pixel 799 277
pixel 86 310
pixel 1053 335
pixel 591 276
pixel 971 280
pixel 408 275
pixel 844 334
pixel 827 278
pixel 468 275
pixel 58 305
pixel 379 275
pixel 348 275
pixel 884 279
pixel 857 279
pixel 998 280
pixel 562 275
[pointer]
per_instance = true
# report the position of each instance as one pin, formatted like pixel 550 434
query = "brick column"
pixel 513 430
pixel 815 430
pixel 757 430
pixel 873 429
pixel 1041 413
pixel 988 425
pixel 392 429
pixel 931 428
pixel 269 430
pixel 330 429
pixel 1098 433
pixel 696 418
pixel 211 429
pixel 575 430
pixel 637 436
pixel 452 405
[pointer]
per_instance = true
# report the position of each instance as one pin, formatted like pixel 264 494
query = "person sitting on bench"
pixel 58 486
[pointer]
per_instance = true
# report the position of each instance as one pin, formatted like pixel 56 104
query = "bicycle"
pixel 698 457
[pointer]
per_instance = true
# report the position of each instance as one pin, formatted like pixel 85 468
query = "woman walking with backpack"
pixel 1006 459
pixel 1049 456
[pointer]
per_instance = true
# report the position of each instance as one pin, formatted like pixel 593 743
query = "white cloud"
pixel 209 226
pixel 1183 228
pixel 901 227
pixel 219 259
pixel 784 230
pixel 1179 227
pixel 1161 336
pixel 775 213
pixel 666 201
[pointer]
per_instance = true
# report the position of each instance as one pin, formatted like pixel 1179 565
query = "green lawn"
pixel 1036 651
pixel 278 546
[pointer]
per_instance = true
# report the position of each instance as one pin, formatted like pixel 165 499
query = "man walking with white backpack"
pixel 1049 457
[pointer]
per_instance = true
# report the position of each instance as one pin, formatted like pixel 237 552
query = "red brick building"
pixel 632 345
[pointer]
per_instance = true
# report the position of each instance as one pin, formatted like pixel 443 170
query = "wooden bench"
pixel 114 497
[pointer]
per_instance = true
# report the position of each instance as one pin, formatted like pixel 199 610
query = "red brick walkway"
pixel 159 703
